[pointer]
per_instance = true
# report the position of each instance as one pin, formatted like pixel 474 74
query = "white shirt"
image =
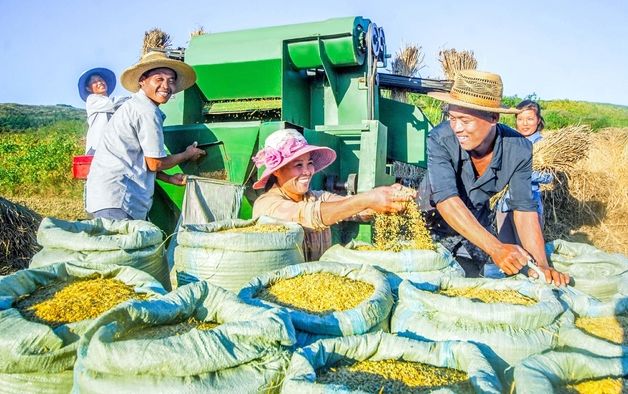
pixel 99 109
pixel 119 177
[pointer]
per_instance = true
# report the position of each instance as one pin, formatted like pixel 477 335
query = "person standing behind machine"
pixel 95 87
pixel 132 153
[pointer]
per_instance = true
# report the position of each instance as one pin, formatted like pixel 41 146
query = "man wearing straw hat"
pixel 471 157
pixel 132 153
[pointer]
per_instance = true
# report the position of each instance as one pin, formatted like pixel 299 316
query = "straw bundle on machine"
pixel 407 62
pixel 453 61
pixel 18 236
pixel 395 376
pixel 155 39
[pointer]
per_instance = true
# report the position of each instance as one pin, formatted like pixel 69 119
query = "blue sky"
pixel 576 49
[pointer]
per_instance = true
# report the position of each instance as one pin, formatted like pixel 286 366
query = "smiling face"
pixel 158 84
pixel 474 129
pixel 527 122
pixel 294 178
pixel 96 85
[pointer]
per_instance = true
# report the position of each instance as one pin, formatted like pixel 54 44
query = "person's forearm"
pixel 531 235
pixel 333 212
pixel 167 162
pixel 162 176
pixel 458 216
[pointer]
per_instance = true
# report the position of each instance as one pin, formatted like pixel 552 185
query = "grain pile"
pixel 18 236
pixel 595 386
pixel 489 296
pixel 392 376
pixel 170 330
pixel 258 228
pixel 218 174
pixel 403 230
pixel 610 328
pixel 318 293
pixel 68 302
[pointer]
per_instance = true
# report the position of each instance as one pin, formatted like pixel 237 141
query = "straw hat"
pixel 105 73
pixel 285 145
pixel 476 90
pixel 130 78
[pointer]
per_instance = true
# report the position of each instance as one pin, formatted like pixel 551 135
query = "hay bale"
pixel 18 236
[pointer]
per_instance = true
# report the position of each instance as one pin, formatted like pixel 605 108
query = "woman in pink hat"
pixel 290 164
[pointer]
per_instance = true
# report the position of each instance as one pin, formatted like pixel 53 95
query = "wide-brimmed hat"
pixel 285 145
pixel 130 78
pixel 105 73
pixel 478 90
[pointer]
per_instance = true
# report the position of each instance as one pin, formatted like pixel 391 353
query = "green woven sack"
pixel 245 353
pixel 326 353
pixel 33 356
pixel 134 243
pixel 230 260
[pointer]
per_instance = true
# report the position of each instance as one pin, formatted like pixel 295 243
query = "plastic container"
pixel 80 166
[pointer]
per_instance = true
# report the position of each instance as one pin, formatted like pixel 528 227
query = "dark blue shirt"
pixel 450 172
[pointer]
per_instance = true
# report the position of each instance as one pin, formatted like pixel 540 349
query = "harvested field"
pixel 392 376
pixel 318 293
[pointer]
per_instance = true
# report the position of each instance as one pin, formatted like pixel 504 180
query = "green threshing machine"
pixel 320 78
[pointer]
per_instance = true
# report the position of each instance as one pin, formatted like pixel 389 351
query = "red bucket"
pixel 80 166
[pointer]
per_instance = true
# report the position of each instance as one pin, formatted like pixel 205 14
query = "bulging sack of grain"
pixel 415 265
pixel 326 298
pixel 133 243
pixel 604 336
pixel 594 272
pixel 392 364
pixel 508 319
pixel 570 372
pixel 228 253
pixel 40 329
pixel 199 338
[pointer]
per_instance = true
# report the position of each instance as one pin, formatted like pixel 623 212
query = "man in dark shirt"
pixel 471 157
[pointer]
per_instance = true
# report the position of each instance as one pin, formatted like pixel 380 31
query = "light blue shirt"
pixel 119 177
pixel 99 109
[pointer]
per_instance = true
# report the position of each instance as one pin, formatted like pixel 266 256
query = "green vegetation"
pixel 17 117
pixel 557 113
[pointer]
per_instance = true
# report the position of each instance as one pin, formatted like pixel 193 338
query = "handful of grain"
pixel 489 296
pixel 402 230
pixel 610 328
pixel 318 293
pixel 595 386
pixel 68 302
pixel 393 376
pixel 170 330
pixel 258 228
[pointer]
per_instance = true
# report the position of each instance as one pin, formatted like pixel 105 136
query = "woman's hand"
pixel 390 199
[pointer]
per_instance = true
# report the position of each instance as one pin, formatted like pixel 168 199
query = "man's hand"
pixel 510 258
pixel 176 179
pixel 551 276
pixel 192 153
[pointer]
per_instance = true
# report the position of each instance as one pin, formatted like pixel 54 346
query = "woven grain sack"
pixel 245 353
pixel 372 314
pixel 594 272
pixel 35 357
pixel 230 260
pixel 307 362
pixel 544 373
pixel 415 265
pixel 133 243
pixel 505 333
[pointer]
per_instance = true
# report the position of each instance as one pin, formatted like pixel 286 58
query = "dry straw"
pixel 393 376
pixel 318 293
pixel 155 39
pixel 18 236
pixel 199 31
pixel 407 62
pixel 453 61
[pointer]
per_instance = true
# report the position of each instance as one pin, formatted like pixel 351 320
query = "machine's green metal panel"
pixel 340 51
pixel 261 78
pixel 409 126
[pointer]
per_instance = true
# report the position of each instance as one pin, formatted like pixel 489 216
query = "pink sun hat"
pixel 285 145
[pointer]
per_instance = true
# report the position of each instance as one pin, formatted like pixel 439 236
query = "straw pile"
pixel 392 376
pixel 318 293
pixel 18 236
pixel 407 62
pixel 403 230
pixel 170 330
pixel 155 39
pixel 610 328
pixel 258 228
pixel 68 302
pixel 589 201
pixel 453 61
pixel 489 296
